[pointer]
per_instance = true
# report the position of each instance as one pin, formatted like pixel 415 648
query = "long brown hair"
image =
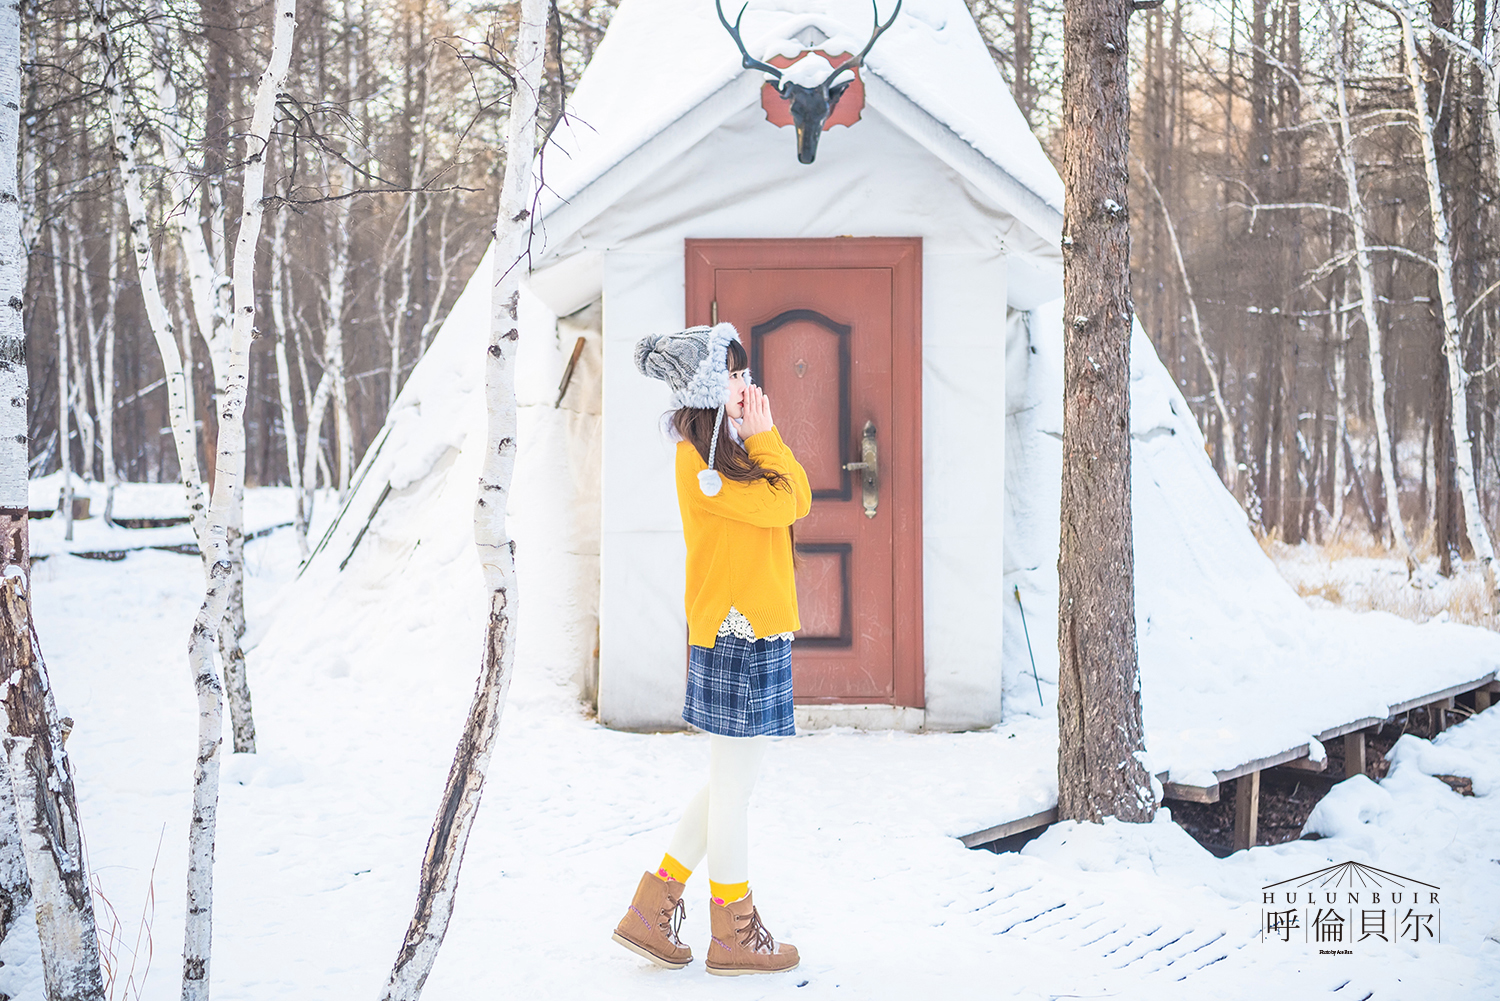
pixel 696 426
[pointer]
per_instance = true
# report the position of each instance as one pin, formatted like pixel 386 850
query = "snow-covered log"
pixel 228 474
pixel 465 785
pixel 1458 380
pixel 1344 141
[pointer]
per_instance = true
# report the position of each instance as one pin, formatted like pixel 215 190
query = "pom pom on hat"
pixel 709 482
pixel 693 362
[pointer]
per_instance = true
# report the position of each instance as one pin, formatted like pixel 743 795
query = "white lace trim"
pixel 735 624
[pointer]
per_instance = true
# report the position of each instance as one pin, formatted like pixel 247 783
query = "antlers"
pixel 849 64
pixel 734 33
pixel 751 63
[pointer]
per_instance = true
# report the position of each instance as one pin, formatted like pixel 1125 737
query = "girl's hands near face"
pixel 757 412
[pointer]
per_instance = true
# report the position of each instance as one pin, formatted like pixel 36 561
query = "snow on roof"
pixel 661 58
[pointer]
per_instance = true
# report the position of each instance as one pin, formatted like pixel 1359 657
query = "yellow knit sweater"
pixel 739 545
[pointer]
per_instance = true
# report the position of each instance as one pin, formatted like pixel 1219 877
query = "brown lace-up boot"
pixel 650 927
pixel 741 943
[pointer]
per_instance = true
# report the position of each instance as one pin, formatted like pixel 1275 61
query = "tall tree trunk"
pixel 42 808
pixel 102 359
pixel 124 139
pixel 465 785
pixel 229 471
pixel 1021 55
pixel 207 274
pixel 15 885
pixel 1226 457
pixel 1357 220
pixel 333 336
pixel 81 330
pixel 1458 380
pixel 1340 419
pixel 1100 736
pixel 280 324
pixel 64 434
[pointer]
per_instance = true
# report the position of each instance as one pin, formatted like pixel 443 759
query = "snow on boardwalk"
pixel 852 845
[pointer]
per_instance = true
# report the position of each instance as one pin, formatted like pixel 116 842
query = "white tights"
pixel 714 822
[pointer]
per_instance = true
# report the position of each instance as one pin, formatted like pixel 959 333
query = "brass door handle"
pixel 870 466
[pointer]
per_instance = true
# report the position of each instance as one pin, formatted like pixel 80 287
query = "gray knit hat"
pixel 695 363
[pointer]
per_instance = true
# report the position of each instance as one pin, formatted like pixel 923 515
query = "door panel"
pixel 825 322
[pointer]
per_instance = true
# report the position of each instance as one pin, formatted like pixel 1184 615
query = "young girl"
pixel 739 489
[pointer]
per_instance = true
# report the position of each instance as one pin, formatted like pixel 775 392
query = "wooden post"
pixel 1246 809
pixel 1354 753
pixel 1440 708
pixel 1482 699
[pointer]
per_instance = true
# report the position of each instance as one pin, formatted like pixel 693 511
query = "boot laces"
pixel 672 919
pixel 754 936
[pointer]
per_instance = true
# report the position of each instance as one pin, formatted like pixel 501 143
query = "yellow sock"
pixel 670 868
pixel 728 893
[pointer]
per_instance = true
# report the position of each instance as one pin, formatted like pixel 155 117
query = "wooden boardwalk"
pixel 1247 805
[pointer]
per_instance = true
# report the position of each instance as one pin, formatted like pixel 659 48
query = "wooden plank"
pixel 1354 753
pixel 1446 693
pixel 1010 827
pixel 1246 810
pixel 1308 764
pixel 1193 794
pixel 1260 764
pixel 1348 728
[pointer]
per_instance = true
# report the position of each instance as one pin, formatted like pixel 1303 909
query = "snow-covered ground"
pixel 320 836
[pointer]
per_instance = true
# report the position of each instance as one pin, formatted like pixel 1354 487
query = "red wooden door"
pixel 832 327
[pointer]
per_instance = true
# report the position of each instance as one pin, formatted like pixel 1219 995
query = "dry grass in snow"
pixel 1357 572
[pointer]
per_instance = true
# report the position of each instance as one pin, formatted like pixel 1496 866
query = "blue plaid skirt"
pixel 741 689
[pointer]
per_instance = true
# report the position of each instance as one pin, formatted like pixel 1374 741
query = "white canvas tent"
pixel 666 142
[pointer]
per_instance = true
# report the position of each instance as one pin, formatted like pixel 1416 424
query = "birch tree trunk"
pixel 81 340
pixel 1340 419
pixel 1226 424
pixel 47 809
pixel 207 280
pixel 64 434
pixel 1357 220
pixel 15 886
pixel 284 378
pixel 1100 735
pixel 40 775
pixel 333 338
pixel 229 471
pixel 1458 380
pixel 397 328
pixel 102 361
pixel 465 785
pixel 124 144
pixel 312 451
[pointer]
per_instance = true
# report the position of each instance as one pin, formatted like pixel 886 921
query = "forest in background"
pixel 1246 270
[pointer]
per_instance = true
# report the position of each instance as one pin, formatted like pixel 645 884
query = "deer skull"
pixel 810 105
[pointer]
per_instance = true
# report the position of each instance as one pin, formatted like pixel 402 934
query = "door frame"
pixel 903 257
